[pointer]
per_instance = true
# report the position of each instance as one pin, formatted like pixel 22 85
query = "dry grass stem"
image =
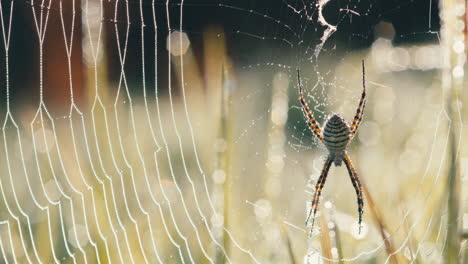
pixel 389 248
pixel 325 240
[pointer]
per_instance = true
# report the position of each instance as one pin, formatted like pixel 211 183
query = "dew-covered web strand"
pixel 122 53
pixel 68 48
pixel 5 259
pixel 19 228
pixel 94 50
pixel 148 185
pixel 6 41
pixel 73 107
pixel 426 233
pixel 143 71
pixel 427 171
pixel 269 18
pixel 435 181
pixel 123 78
pixel 258 14
pixel 439 233
pixel 12 246
pixel 10 211
pixel 98 102
pixel 159 178
pixel 143 163
pixel 154 136
pixel 264 16
pixel 163 191
pixel 41 27
pixel 8 116
pixel 407 238
pixel 40 115
pixel 166 146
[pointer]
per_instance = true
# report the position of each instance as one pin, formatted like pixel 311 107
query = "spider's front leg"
pixel 357 187
pixel 362 105
pixel 318 191
pixel 313 125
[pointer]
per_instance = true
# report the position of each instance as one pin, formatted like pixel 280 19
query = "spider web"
pixel 177 137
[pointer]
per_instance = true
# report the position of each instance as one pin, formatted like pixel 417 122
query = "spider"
pixel 336 137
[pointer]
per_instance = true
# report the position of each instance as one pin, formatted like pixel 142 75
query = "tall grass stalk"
pixel 275 153
pixel 452 83
pixel 95 72
pixel 325 240
pixel 338 244
pixel 389 248
pixel 411 244
pixel 225 158
pixel 215 80
pixel 287 239
pixel 276 137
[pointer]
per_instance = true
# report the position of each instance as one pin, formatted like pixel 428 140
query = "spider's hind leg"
pixel 357 186
pixel 318 191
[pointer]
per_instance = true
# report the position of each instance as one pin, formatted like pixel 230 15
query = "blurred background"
pixel 147 131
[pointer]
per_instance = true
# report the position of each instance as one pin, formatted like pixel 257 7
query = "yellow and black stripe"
pixel 318 189
pixel 362 105
pixel 313 125
pixel 357 187
pixel 336 134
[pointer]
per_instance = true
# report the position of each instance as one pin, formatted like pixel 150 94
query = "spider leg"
pixel 318 191
pixel 313 125
pixel 357 186
pixel 362 104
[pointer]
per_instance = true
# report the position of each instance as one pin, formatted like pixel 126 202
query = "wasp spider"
pixel 336 136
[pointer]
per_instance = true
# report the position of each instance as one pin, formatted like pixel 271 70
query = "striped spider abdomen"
pixel 336 136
